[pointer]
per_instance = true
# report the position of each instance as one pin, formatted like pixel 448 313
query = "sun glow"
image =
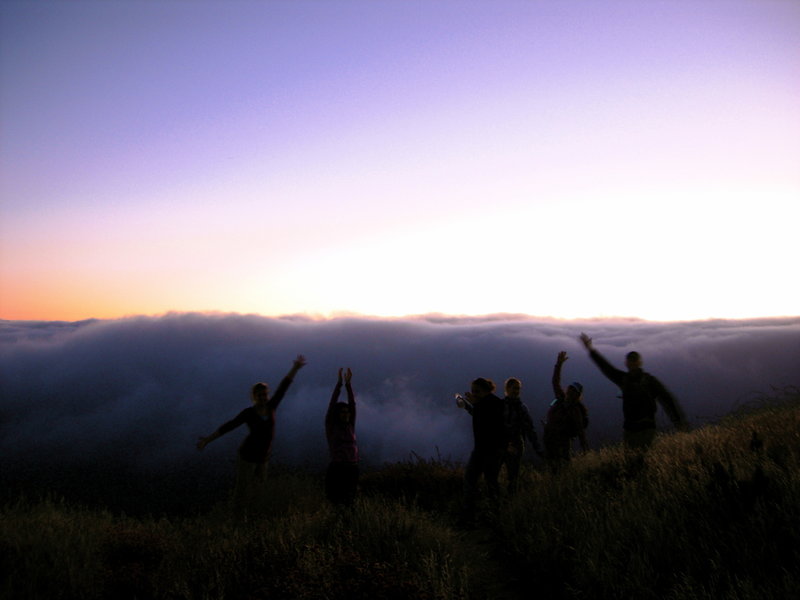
pixel 682 262
pixel 472 161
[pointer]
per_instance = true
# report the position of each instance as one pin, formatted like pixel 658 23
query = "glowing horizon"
pixel 391 159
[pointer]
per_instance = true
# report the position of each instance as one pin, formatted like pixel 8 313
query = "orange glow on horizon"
pixel 534 165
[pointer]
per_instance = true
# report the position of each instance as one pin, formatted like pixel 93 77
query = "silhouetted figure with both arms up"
pixel 254 452
pixel 640 393
pixel 491 439
pixel 567 418
pixel 519 426
pixel 341 478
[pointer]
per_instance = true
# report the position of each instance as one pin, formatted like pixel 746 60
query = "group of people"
pixel 501 425
pixel 341 478
pixel 500 428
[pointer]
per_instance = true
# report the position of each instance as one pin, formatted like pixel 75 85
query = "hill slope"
pixel 714 513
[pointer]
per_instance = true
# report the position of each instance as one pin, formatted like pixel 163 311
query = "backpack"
pixel 563 418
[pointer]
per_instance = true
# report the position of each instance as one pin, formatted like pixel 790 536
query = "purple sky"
pixel 568 159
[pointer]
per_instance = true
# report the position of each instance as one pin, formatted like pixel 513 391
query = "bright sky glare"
pixel 553 158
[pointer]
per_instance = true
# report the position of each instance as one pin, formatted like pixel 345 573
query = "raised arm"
pixel 298 364
pixel 351 398
pixel 334 396
pixel 605 367
pixel 557 389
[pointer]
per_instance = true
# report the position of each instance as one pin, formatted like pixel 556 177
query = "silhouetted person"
pixel 489 432
pixel 341 478
pixel 567 418
pixel 640 393
pixel 254 452
pixel 519 426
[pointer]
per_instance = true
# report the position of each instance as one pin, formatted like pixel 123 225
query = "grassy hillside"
pixel 714 513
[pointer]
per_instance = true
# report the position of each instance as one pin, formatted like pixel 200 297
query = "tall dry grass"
pixel 376 549
pixel 714 513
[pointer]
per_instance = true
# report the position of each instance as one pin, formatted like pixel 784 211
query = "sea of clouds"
pixel 140 391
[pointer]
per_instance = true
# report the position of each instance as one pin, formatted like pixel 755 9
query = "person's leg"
pixel 513 462
pixel 557 449
pixel 247 475
pixel 491 472
pixel 332 483
pixel 258 495
pixel 350 483
pixel 639 440
pixel 341 482
pixel 472 473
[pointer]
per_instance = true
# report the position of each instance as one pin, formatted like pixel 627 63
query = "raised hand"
pixel 562 357
pixel 587 341
pixel 348 375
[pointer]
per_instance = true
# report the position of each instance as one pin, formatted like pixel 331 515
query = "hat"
pixel 577 386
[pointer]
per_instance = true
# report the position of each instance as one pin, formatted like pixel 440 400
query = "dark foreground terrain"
pixel 714 513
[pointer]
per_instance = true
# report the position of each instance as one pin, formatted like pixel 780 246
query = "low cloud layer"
pixel 139 391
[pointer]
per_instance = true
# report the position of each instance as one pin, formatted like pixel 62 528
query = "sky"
pixel 138 392
pixel 560 159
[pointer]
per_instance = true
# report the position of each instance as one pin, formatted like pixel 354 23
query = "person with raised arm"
pixel 341 478
pixel 567 419
pixel 255 450
pixel 641 393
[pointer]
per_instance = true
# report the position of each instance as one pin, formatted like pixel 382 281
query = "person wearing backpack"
pixel 567 419
pixel 641 392
pixel 519 426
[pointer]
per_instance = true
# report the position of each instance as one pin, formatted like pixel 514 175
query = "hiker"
pixel 341 478
pixel 567 418
pixel 489 432
pixel 519 426
pixel 640 392
pixel 254 452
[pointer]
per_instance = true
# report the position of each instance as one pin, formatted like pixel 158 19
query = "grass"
pixel 708 514
pixel 714 513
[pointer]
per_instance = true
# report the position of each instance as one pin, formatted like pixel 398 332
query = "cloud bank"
pixel 139 391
